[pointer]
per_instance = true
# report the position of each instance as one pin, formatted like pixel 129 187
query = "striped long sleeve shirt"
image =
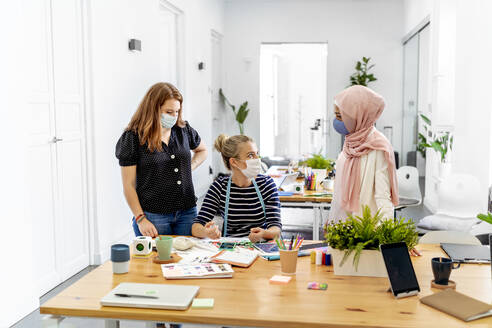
pixel 245 210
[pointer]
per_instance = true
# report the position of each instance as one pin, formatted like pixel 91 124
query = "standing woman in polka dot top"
pixel 156 164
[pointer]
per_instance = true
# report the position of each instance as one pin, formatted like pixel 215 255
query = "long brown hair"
pixel 146 122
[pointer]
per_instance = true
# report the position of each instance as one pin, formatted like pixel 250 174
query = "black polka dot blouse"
pixel 164 183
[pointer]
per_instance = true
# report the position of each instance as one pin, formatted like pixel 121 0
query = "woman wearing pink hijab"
pixel 366 170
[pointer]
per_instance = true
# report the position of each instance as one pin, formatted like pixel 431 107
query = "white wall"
pixel 18 293
pixel 119 81
pixel 415 12
pixel 459 70
pixel 473 109
pixel 352 29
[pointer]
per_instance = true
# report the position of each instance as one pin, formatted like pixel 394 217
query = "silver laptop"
pixel 467 253
pixel 285 179
pixel 155 296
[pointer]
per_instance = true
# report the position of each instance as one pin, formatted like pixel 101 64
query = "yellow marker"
pixel 313 257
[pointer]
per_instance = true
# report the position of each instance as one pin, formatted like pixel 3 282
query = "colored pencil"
pixel 278 243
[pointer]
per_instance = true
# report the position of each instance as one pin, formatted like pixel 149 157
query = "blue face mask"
pixel 168 121
pixel 340 127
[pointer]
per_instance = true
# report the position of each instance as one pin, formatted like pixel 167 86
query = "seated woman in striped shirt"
pixel 247 200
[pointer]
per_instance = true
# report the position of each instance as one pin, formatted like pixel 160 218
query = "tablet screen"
pixel 400 269
pixel 227 246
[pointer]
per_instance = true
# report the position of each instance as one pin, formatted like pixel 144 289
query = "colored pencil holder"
pixel 288 261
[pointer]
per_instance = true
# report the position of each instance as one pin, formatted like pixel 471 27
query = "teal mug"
pixel 164 245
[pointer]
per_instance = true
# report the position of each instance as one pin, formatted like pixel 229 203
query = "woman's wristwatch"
pixel 140 217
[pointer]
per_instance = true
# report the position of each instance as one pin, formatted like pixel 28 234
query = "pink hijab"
pixel 360 107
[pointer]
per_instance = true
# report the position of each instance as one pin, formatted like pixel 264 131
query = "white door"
pixel 218 109
pixel 69 113
pixel 42 154
pixel 167 46
pixel 57 150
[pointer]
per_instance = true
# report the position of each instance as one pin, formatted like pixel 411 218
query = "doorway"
pixel 416 97
pixel 218 111
pixel 171 52
pixel 293 104
pixel 57 150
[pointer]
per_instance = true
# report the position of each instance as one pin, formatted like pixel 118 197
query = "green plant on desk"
pixel 318 161
pixel 357 233
pixel 485 217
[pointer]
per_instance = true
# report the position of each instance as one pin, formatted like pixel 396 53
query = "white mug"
pixel 328 184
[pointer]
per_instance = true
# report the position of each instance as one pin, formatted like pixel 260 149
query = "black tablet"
pixel 227 246
pixel 400 269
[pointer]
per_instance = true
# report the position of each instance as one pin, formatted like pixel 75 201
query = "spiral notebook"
pixel 240 256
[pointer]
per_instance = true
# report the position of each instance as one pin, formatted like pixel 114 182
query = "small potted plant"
pixel 320 165
pixel 482 230
pixel 441 142
pixel 355 242
pixel 362 75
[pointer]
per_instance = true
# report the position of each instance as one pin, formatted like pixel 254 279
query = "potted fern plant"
pixel 355 242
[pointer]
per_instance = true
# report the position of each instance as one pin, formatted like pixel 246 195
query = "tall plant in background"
pixel 361 75
pixel 422 144
pixel 240 114
pixel 441 144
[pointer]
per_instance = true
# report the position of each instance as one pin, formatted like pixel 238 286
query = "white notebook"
pixel 155 296
pixel 240 256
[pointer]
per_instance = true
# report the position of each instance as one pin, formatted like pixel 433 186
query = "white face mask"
pixel 253 168
pixel 168 121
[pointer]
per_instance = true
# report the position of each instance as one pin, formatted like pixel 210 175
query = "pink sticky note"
pixel 281 280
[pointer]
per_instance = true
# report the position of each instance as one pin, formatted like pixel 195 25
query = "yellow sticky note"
pixel 203 303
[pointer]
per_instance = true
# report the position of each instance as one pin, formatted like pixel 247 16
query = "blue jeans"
pixel 177 223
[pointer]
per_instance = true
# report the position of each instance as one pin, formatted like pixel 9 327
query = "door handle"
pixel 55 140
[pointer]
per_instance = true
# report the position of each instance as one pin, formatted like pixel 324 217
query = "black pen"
pixel 291 242
pixel 136 296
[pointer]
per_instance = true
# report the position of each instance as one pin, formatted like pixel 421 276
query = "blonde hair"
pixel 146 121
pixel 229 146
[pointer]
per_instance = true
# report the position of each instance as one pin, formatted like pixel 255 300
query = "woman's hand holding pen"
pixel 147 228
pixel 212 231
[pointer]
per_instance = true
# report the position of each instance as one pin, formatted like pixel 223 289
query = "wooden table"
pixel 318 203
pixel 249 299
pixel 307 197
